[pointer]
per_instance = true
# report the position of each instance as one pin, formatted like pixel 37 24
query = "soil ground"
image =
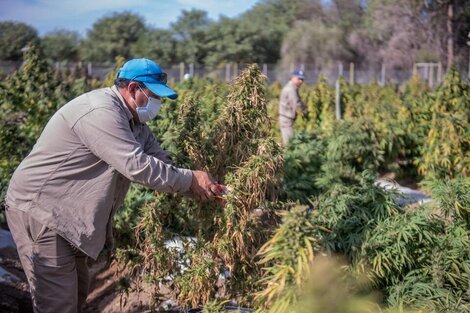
pixel 105 295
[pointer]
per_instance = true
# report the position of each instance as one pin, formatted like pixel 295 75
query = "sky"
pixel 79 15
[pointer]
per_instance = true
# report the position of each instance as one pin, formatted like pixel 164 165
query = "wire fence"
pixel 433 73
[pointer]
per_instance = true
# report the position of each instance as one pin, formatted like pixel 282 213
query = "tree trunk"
pixel 450 35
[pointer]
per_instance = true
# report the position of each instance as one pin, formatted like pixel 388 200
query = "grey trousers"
pixel 57 272
pixel 287 132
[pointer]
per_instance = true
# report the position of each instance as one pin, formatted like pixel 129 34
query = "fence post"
pixel 351 73
pixel 265 70
pixel 439 72
pixel 235 70
pixel 431 75
pixel 337 100
pixel 90 69
pixel 382 75
pixel 340 69
pixel 227 72
pixel 468 43
pixel 191 69
pixel 181 71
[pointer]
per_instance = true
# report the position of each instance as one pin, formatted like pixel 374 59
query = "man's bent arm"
pixel 108 136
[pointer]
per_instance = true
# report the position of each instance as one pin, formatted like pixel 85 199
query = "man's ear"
pixel 132 88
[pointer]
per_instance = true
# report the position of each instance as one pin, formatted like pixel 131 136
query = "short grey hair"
pixel 124 82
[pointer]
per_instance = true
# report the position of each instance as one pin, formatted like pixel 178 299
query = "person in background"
pixel 62 197
pixel 290 104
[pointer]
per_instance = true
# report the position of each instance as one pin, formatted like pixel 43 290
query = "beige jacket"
pixel 289 104
pixel 79 171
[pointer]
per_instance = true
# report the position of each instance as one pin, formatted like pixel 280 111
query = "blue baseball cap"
pixel 298 73
pixel 150 73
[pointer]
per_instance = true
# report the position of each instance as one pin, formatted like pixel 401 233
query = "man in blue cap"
pixel 290 104
pixel 62 197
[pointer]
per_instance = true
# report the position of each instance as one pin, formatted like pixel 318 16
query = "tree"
pixel 227 42
pixel 112 36
pixel 190 32
pixel 313 42
pixel 61 45
pixel 156 44
pixel 257 35
pixel 14 37
pixel 451 20
pixel 321 37
pixel 406 31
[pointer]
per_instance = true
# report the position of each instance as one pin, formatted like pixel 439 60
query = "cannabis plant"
pixel 288 256
pixel 237 148
pixel 303 157
pixel 420 257
pixel 242 122
pixel 446 150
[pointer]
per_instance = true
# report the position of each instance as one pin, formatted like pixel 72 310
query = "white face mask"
pixel 150 111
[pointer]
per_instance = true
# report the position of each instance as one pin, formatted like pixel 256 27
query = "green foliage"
pixel 197 283
pixel 112 36
pixel 190 33
pixel 413 121
pixel 214 307
pixel 315 35
pixel 420 257
pixel 315 162
pixel 14 37
pixel 320 102
pixel 446 150
pixel 228 41
pixel 452 197
pixel 350 149
pixel 156 44
pixel 402 243
pixel 408 130
pixel 339 222
pixel 351 212
pixel 328 287
pixel 303 157
pixel 379 107
pixel 61 45
pixel 422 262
pixel 289 252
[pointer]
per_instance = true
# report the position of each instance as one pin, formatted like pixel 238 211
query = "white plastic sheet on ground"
pixel 7 249
pixel 406 195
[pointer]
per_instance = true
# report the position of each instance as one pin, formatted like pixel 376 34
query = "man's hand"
pixel 204 187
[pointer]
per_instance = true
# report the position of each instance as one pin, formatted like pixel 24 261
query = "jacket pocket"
pixel 36 230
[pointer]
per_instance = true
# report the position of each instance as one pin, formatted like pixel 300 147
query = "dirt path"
pixel 105 295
